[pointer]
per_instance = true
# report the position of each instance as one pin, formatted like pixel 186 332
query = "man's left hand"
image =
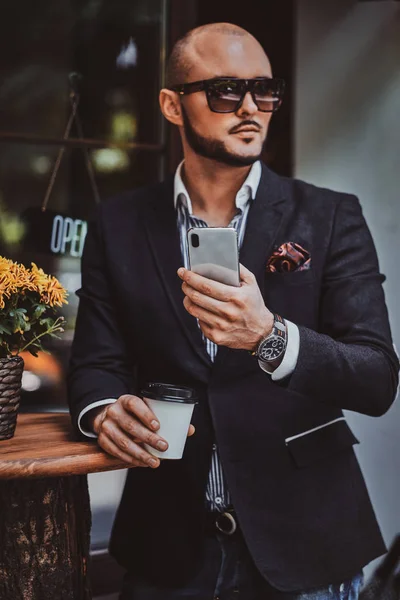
pixel 230 316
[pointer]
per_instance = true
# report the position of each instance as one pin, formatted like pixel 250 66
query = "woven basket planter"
pixel 11 370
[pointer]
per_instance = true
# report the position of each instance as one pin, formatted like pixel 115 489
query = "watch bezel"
pixel 278 333
pixel 267 342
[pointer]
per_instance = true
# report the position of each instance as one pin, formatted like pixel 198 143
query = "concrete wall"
pixel 347 137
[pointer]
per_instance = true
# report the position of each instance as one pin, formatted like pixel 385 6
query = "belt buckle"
pixel 232 525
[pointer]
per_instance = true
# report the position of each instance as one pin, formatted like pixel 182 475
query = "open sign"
pixel 54 233
pixel 68 236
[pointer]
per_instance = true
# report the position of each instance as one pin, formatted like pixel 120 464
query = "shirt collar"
pixel 247 191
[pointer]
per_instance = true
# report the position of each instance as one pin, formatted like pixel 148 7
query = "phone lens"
pixel 195 240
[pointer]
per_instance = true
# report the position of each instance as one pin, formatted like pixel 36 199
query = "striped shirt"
pixel 217 493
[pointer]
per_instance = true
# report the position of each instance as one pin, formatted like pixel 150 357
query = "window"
pixel 79 122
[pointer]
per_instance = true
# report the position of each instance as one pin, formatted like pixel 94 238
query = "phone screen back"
pixel 216 255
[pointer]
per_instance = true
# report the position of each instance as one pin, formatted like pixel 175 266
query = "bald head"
pixel 209 46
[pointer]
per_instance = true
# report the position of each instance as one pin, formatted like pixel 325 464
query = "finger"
pixel 139 433
pixel 215 306
pixel 245 275
pixel 125 445
pixel 210 333
pixel 208 287
pixel 138 407
pixel 191 431
pixel 204 315
pixel 108 446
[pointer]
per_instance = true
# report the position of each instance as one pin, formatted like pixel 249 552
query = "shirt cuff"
pixel 289 361
pixel 87 409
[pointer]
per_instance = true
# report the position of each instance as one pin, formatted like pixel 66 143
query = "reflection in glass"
pixel 115 53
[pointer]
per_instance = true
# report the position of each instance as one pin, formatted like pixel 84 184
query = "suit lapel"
pixel 164 241
pixel 268 214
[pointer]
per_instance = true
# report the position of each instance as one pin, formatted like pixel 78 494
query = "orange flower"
pixel 14 277
pixel 3 293
pixel 54 293
pixel 22 278
pixel 7 282
pixel 38 278
pixel 22 287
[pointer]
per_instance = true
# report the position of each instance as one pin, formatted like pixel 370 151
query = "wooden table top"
pixel 44 446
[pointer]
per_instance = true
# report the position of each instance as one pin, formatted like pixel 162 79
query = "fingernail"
pixel 181 271
pixel 153 462
pixel 155 424
pixel 162 445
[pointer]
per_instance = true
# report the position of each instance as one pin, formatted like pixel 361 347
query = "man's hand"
pixel 122 428
pixel 235 317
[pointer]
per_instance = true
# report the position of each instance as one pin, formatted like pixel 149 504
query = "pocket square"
pixel 289 257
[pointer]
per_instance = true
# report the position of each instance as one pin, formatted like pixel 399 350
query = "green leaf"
pixel 39 310
pixel 4 329
pixel 47 322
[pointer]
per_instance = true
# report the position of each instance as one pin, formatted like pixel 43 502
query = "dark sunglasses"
pixel 226 94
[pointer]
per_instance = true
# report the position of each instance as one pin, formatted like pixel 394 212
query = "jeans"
pixel 228 573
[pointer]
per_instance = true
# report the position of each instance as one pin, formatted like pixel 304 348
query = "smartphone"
pixel 213 253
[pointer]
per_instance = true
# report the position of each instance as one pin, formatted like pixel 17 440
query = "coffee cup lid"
pixel 169 392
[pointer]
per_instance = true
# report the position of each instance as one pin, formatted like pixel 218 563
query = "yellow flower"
pixel 22 278
pixel 54 293
pixel 14 278
pixel 38 278
pixel 7 284
pixel 17 279
pixel 5 264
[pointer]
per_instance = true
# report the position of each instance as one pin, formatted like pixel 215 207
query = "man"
pixel 268 500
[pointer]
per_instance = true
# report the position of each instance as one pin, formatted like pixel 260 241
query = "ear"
pixel 170 106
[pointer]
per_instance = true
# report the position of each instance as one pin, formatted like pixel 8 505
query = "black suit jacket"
pixel 301 501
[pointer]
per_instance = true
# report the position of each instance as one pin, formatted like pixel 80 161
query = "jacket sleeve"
pixel 100 366
pixel 350 363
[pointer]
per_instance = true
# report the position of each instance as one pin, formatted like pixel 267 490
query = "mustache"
pixel 243 124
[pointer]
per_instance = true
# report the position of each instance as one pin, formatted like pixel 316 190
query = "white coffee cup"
pixel 173 406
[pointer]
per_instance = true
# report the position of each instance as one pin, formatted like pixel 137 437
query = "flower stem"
pixel 54 327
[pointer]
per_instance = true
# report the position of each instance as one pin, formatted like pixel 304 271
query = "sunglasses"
pixel 226 94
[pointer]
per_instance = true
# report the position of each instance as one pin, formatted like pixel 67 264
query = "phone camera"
pixel 195 240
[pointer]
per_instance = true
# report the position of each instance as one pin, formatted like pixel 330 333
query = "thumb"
pixel 246 276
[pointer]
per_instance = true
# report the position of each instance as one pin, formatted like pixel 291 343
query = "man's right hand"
pixel 123 427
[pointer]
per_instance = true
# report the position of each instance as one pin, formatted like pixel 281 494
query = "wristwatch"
pixel 271 348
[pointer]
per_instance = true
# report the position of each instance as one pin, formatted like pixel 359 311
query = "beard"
pixel 214 149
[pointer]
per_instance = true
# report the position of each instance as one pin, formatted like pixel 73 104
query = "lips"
pixel 247 130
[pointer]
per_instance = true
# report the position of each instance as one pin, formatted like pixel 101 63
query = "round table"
pixel 45 514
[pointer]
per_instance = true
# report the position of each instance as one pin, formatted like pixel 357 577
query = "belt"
pixel 223 522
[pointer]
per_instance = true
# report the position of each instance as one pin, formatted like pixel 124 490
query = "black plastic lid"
pixel 169 392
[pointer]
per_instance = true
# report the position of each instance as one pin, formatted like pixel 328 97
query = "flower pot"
pixel 11 370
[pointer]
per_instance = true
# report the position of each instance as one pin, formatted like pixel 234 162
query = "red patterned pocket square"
pixel 288 258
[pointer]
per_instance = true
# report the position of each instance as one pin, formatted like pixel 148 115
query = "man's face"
pixel 236 138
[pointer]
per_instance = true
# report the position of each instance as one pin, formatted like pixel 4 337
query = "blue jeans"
pixel 228 573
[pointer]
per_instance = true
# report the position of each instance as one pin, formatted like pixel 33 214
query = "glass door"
pixel 79 122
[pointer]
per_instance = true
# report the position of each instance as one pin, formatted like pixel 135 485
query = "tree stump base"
pixel 45 539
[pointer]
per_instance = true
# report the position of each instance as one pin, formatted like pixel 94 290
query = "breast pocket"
pixel 321 442
pixel 295 296
pixel 290 278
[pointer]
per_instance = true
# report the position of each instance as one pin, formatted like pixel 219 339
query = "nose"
pixel 249 107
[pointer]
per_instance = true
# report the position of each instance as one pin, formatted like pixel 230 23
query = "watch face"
pixel 272 349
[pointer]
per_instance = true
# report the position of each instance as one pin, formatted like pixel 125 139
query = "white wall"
pixel 347 137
